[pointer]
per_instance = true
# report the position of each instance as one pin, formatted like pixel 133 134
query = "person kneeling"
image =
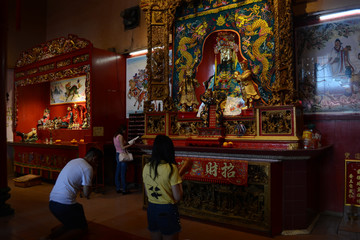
pixel 76 175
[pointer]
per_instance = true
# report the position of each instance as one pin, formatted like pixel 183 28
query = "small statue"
pixel 69 119
pixel 46 116
pixel 206 99
pixel 240 129
pixel 28 137
pixel 50 124
pixel 188 98
pixel 57 123
pixel 85 123
pixel 250 90
pixel 76 116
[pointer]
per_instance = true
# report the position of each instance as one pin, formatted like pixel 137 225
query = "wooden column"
pixel 5 209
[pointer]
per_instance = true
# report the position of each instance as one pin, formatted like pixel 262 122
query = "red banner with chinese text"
pixel 352 182
pixel 213 170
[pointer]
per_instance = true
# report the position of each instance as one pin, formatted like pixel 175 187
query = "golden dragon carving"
pixel 256 54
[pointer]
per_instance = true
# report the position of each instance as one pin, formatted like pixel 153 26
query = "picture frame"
pixel 70 90
pixel 328 66
pixel 136 84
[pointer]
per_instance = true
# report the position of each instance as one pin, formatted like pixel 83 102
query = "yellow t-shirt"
pixel 159 190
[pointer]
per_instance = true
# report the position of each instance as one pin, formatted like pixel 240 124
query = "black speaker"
pixel 131 17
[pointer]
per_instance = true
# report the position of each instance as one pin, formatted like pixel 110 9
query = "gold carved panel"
pixel 277 122
pixel 245 206
pixel 155 124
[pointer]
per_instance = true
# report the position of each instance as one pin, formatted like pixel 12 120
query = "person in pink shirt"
pixel 120 174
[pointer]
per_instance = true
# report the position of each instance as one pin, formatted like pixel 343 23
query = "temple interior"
pixel 260 98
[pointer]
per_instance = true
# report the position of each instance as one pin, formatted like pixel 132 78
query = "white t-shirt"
pixel 76 173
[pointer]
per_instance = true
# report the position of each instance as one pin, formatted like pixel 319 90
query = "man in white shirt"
pixel 75 176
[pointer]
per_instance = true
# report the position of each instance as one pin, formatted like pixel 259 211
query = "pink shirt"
pixel 118 144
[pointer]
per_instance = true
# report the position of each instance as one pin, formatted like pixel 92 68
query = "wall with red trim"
pixel 343 132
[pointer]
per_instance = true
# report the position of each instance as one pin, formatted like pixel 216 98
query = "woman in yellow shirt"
pixel 163 187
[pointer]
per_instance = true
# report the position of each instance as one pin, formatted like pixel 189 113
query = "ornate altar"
pixel 229 81
pixel 55 99
pixel 230 97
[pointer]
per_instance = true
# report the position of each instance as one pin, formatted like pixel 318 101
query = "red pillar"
pixel 5 208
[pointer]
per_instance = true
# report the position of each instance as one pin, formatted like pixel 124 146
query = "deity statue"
pixel 188 100
pixel 227 50
pixel 68 120
pixel 46 116
pixel 78 115
pixel 249 87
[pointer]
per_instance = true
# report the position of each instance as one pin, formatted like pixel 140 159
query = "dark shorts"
pixel 163 218
pixel 72 216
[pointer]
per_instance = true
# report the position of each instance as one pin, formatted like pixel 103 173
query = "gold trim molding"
pixel 51 49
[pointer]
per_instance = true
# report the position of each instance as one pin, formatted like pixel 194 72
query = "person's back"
pixel 160 188
pixel 75 174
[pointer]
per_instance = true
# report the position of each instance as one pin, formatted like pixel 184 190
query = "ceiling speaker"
pixel 131 17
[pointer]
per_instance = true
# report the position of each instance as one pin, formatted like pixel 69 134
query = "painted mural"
pixel 136 84
pixel 251 21
pixel 68 90
pixel 328 63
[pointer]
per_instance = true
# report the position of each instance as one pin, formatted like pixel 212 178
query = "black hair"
pixel 94 152
pixel 121 130
pixel 163 150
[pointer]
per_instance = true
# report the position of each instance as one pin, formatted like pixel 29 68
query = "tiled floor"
pixel 32 218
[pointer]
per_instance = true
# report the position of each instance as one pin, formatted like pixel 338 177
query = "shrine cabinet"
pixel 67 98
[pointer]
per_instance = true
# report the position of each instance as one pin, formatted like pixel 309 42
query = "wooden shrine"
pixel 60 94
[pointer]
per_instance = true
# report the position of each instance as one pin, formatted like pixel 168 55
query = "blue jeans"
pixel 120 173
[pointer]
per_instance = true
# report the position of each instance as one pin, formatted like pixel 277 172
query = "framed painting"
pixel 328 66
pixel 71 90
pixel 136 84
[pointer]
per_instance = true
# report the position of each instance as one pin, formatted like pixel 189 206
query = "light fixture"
pixel 138 52
pixel 340 14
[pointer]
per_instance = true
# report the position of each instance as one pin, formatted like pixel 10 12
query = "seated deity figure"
pixel 68 120
pixel 250 90
pixel 225 79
